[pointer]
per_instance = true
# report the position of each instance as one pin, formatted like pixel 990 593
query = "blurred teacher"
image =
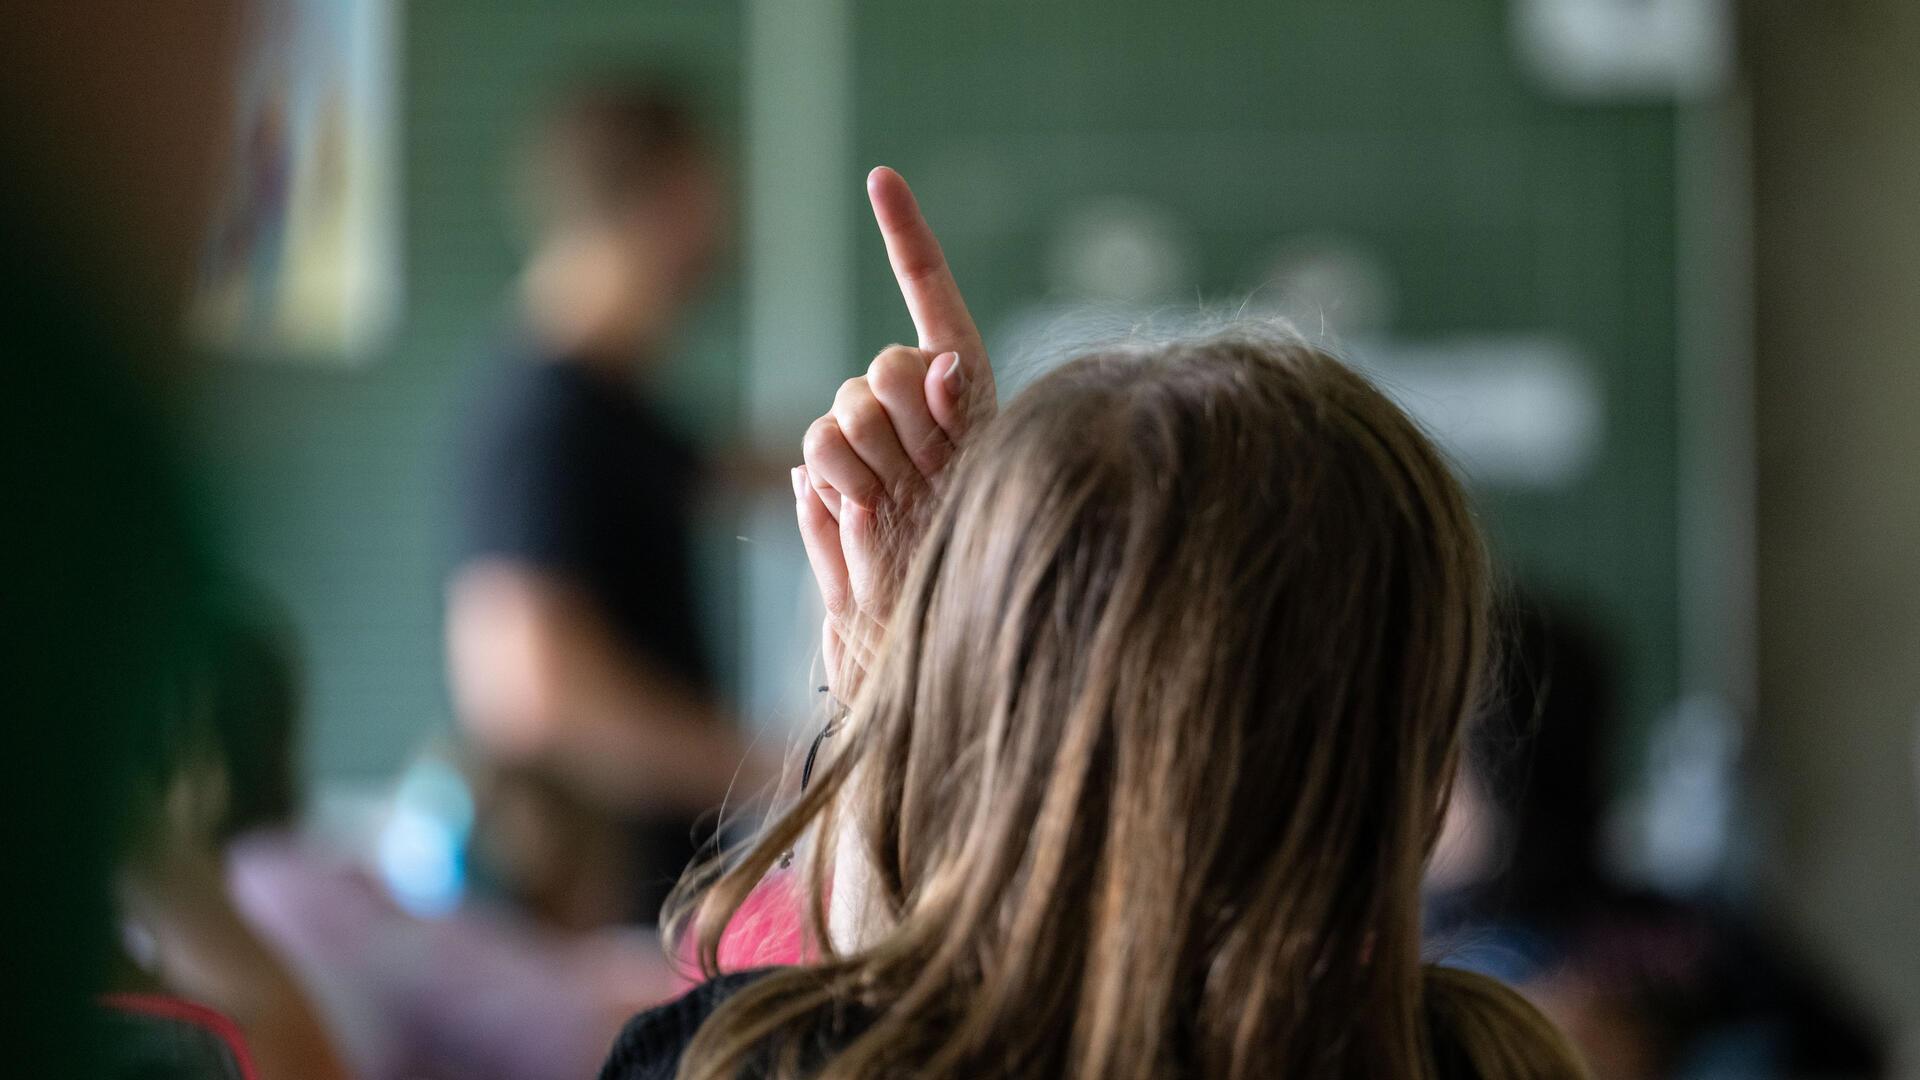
pixel 575 656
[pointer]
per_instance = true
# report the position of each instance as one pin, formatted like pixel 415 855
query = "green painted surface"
pixel 1404 123
pixel 1407 125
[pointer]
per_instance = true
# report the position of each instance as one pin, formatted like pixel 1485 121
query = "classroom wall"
pixel 1837 165
pixel 1410 128
pixel 1408 125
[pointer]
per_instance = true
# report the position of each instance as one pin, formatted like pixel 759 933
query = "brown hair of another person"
pixel 1154 752
pixel 605 146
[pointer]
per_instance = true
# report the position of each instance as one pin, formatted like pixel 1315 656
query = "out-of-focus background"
pixel 1644 266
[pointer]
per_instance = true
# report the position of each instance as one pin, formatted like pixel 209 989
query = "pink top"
pixel 769 930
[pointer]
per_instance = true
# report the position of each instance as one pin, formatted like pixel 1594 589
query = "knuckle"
pixel 820 436
pixel 851 391
pixel 922 267
pixel 863 420
pixel 897 369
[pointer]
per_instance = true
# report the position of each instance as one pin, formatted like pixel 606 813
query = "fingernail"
pixel 799 481
pixel 955 377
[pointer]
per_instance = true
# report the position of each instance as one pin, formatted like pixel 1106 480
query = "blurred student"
pixel 1152 712
pixel 108 137
pixel 107 568
pixel 573 629
pixel 1651 986
pixel 252 909
pixel 188 946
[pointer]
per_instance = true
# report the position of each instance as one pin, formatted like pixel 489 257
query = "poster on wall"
pixel 302 262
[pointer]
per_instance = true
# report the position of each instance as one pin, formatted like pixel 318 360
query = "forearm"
pixel 288 1040
pixel 638 739
pixel 540 677
pixel 207 952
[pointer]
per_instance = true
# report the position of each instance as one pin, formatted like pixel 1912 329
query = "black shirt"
pixel 653 1043
pixel 568 470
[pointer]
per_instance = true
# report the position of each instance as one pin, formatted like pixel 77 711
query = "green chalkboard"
pixel 1407 125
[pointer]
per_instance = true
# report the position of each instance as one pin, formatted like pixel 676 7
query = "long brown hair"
pixel 1153 752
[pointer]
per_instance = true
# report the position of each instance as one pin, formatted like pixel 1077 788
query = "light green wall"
pixel 1405 124
pixel 1402 122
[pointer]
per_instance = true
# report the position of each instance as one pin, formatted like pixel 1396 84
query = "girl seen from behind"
pixel 1156 692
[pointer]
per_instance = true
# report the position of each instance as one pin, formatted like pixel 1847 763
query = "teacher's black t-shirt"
pixel 568 470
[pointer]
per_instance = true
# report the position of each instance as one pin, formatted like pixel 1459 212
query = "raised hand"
pixel 926 284
pixel 874 457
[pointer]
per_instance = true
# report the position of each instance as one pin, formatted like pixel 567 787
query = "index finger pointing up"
pixel 939 314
